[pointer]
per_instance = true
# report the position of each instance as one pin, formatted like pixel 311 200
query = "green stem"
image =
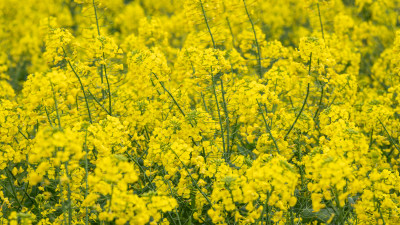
pixel 103 67
pixel 204 102
pixel 69 195
pixel 227 121
pixel 109 89
pixel 86 179
pixel 97 21
pixel 319 104
pixel 378 205
pixel 56 105
pixel 230 29
pixel 305 100
pixel 169 93
pixel 48 116
pixel 390 138
pixel 341 214
pixel 193 180
pixel 176 210
pixel 19 130
pixel 82 88
pixel 24 190
pixel 14 192
pixel 208 26
pixel 320 21
pixel 256 41
pixel 268 128
pixel 98 102
pixel 219 116
pixel 301 110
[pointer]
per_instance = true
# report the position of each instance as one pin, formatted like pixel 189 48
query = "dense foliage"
pixel 199 112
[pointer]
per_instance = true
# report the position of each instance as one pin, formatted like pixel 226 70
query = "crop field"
pixel 189 112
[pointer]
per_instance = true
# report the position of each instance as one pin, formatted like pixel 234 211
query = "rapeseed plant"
pixel 199 112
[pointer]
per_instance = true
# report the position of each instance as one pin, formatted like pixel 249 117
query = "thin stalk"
pixel 109 88
pixel 82 88
pixel 58 173
pixel 19 130
pixel 227 121
pixel 111 197
pixel 390 138
pixel 76 100
pixel 11 193
pixel 98 33
pixel 204 102
pixel 48 116
pixel 24 190
pixel 291 216
pixel 97 101
pixel 255 39
pixel 265 210
pixel 378 205
pixel 169 93
pixel 305 100
pixel 86 179
pixel 301 167
pixel 208 26
pixel 192 202
pixel 97 21
pixel 234 133
pixel 176 210
pixel 371 138
pixel 320 103
pixel 301 110
pixel 219 115
pixel 222 90
pixel 103 67
pixel 56 105
pixel 14 192
pixel 142 170
pixel 340 209
pixel 193 180
pixel 68 195
pixel 230 29
pixel 152 83
pixel 320 21
pixel 268 128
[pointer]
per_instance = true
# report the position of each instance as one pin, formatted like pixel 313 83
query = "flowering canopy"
pixel 199 112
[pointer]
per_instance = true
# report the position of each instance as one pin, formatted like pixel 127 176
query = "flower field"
pixel 199 112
